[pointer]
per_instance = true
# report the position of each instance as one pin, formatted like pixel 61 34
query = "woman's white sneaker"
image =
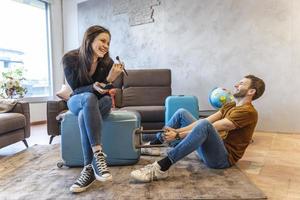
pixel 149 173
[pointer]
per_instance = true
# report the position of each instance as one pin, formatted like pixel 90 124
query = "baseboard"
pixel 38 122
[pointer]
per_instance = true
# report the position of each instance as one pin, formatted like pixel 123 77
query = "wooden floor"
pixel 272 161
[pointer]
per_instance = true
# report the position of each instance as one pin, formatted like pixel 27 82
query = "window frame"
pixel 43 99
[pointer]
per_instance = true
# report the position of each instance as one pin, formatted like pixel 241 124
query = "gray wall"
pixel 210 43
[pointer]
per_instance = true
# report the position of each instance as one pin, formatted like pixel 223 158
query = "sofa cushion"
pixel 147 78
pixel 146 87
pixel 149 113
pixel 145 96
pixel 11 121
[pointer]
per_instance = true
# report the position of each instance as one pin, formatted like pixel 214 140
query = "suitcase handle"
pixel 138 141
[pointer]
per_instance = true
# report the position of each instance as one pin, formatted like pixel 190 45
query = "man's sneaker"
pixel 100 167
pixel 85 179
pixel 149 173
pixel 154 151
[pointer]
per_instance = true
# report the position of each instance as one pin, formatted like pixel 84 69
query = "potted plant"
pixel 11 83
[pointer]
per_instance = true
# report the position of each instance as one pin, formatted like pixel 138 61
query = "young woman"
pixel 87 69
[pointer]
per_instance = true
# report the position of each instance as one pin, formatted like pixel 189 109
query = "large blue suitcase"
pixel 173 103
pixel 117 139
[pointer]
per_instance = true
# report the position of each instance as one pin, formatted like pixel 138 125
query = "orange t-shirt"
pixel 244 118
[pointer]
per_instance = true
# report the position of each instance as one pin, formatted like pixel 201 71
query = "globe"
pixel 219 96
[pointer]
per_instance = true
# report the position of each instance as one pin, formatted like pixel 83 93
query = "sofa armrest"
pixel 22 107
pixel 54 108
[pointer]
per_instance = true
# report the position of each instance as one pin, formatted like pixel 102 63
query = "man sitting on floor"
pixel 220 140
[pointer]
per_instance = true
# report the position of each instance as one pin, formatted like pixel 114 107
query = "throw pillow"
pixel 65 92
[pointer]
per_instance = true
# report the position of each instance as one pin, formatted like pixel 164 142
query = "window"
pixel 24 42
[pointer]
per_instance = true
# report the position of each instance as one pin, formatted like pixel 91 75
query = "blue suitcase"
pixel 173 103
pixel 117 139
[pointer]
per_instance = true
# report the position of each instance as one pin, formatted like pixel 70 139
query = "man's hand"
pixel 166 129
pixel 169 134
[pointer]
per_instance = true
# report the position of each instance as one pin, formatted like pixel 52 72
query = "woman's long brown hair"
pixel 86 53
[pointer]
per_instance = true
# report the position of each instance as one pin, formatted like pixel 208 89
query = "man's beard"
pixel 240 94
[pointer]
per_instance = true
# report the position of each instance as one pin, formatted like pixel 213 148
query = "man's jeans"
pixel 203 139
pixel 90 112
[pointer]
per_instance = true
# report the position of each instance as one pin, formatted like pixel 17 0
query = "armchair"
pixel 15 125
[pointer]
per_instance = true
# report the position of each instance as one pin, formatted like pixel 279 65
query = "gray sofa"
pixel 15 125
pixel 143 90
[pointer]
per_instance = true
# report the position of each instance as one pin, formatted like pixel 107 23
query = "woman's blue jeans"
pixel 203 139
pixel 90 112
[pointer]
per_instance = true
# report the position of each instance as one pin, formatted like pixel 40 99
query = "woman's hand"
pixel 97 86
pixel 115 71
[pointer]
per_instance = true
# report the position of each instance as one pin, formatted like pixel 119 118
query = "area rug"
pixel 33 174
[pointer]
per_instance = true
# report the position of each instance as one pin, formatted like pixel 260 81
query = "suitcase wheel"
pixel 60 164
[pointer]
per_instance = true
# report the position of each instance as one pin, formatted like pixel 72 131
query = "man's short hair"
pixel 257 84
